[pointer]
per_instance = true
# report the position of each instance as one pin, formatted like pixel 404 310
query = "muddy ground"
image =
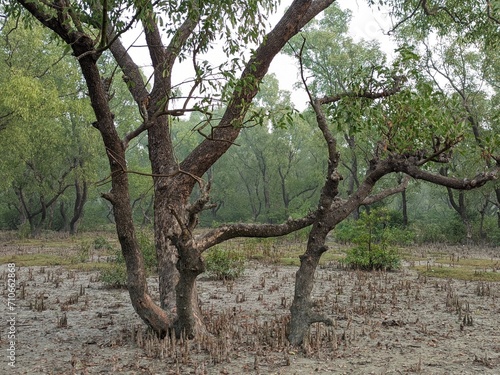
pixel 68 322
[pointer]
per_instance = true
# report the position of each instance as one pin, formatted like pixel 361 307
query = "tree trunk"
pixel 352 179
pixel 497 194
pixel 302 314
pixel 146 219
pixel 482 212
pixel 331 211
pixel 189 321
pixel 65 221
pixel 119 195
pixel 404 203
pixel 459 207
pixel 81 190
pixel 167 256
pixel 461 210
pixel 178 263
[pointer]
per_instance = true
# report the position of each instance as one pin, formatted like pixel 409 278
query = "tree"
pixel 404 115
pixel 189 30
pixel 458 61
pixel 47 161
pixel 336 61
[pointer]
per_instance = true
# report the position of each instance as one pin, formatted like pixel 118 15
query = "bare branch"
pixel 451 182
pixel 428 11
pixel 228 231
pixel 387 192
pixel 104 24
pixel 435 10
pixel 405 19
pixel 200 205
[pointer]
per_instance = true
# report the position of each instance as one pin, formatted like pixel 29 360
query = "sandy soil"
pixel 67 322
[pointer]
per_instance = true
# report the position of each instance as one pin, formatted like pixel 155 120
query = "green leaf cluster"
pixel 225 264
pixel 373 250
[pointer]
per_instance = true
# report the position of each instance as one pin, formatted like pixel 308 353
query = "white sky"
pixel 367 23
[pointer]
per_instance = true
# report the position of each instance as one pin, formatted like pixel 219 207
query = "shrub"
pixel 371 258
pixel 101 243
pixel 346 232
pixel 83 253
pixel 224 264
pixel 372 250
pixel 24 231
pixel 114 276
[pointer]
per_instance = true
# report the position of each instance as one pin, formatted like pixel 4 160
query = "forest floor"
pixel 405 322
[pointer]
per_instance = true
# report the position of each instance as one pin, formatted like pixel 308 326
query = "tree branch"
pixel 367 94
pixel 387 192
pixel 489 8
pixel 228 231
pixel 298 14
pixel 451 182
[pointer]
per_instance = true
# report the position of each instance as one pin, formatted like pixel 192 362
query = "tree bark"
pixel 460 208
pixel 353 181
pixel 64 217
pixel 404 204
pixel 497 194
pixel 81 190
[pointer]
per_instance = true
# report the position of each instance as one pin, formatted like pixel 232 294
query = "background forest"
pixel 54 170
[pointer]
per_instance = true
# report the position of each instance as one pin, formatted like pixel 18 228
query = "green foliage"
pixel 47 144
pixel 439 227
pixel 492 231
pixel 224 264
pixel 373 250
pixel 24 230
pixel 101 243
pixel 373 257
pixel 387 229
pixel 84 252
pixel 114 276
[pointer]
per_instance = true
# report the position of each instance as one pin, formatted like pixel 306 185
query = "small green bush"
pixel 374 258
pixel 399 236
pixel 224 264
pixel 84 252
pixel 345 232
pixel 24 231
pixel 373 239
pixel 114 276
